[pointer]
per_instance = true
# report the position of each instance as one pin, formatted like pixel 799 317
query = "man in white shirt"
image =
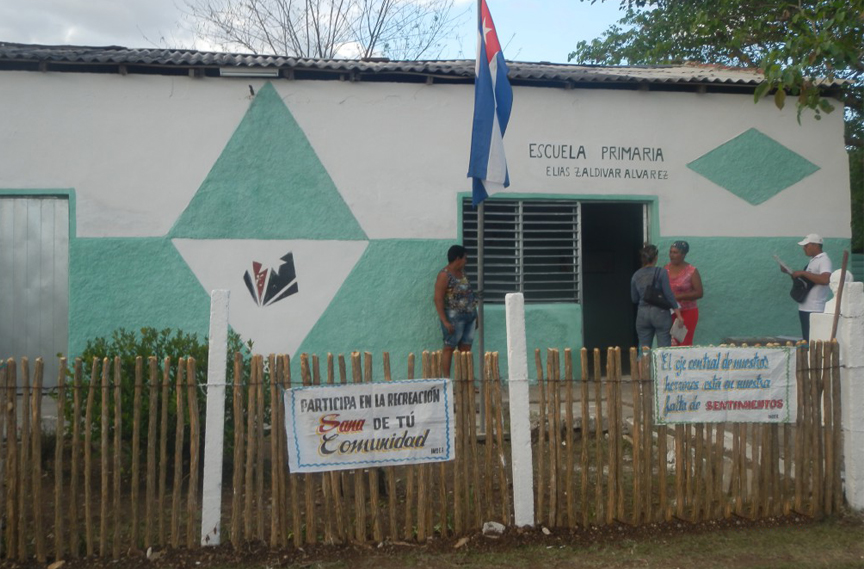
pixel 818 272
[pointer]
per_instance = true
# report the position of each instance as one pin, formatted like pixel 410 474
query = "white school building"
pixel 324 196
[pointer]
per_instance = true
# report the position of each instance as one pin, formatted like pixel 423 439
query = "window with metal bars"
pixel 530 246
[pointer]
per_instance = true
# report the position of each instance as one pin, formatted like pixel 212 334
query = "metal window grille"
pixel 530 246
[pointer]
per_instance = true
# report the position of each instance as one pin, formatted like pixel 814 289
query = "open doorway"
pixel 612 234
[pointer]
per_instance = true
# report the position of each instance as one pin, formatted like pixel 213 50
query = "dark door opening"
pixel 611 238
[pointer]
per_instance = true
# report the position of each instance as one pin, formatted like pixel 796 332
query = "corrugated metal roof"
pixel 457 69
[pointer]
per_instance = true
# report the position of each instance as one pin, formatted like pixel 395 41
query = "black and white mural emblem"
pixel 268 285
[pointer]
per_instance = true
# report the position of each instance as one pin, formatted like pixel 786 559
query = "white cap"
pixel 811 238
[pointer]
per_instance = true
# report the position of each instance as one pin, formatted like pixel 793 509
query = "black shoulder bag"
pixel 800 288
pixel 654 294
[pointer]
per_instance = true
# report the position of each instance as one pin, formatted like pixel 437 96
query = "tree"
pixel 798 45
pixel 399 29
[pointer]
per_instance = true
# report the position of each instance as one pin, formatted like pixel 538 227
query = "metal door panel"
pixel 34 279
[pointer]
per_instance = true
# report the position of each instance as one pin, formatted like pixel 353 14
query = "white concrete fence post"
pixel 850 336
pixel 520 419
pixel 211 496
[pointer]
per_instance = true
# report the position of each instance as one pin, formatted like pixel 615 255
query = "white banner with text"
pixel 363 425
pixel 714 385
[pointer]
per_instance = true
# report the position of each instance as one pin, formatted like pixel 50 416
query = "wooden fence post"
pixel 599 516
pixel 799 430
pixel 553 413
pixel 163 450
pixel 332 479
pixel 636 386
pixel 74 515
pixel 249 483
pixel 471 416
pixel 192 510
pixel 391 472
pixel 4 444
pixel 611 407
pixel 239 455
pixel 309 486
pixel 103 459
pixel 495 375
pixel 359 488
pixel 12 478
pixel 25 475
pixel 118 432
pixel 585 434
pixel 152 413
pixel 136 449
pixel 178 455
pixel 815 428
pixel 486 393
pixel 36 407
pixel 88 459
pixel 377 534
pixel 275 466
pixel 59 438
pixel 568 440
pixel 284 474
pixel 459 482
pixel 259 436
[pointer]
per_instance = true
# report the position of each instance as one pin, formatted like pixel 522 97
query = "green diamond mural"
pixel 753 166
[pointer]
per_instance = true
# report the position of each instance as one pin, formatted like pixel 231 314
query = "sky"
pixel 529 30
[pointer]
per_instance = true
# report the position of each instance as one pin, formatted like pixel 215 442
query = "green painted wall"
pixel 547 326
pixel 131 283
pixel 386 304
pixel 745 292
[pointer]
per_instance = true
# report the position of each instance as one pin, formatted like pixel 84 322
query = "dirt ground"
pixel 473 550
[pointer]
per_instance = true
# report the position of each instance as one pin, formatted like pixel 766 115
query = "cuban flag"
pixel 493 99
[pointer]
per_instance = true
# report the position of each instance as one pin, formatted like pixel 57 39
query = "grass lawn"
pixel 794 543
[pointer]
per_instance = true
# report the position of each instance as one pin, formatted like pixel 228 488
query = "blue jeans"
pixel 463 328
pixel 651 320
pixel 805 324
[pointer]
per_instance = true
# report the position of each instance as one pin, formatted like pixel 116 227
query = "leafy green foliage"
pixel 149 342
pixel 797 45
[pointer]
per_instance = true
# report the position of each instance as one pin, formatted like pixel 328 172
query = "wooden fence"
pixel 599 457
pixel 113 496
pixel 97 487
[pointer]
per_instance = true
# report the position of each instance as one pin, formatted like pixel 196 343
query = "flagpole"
pixel 481 210
pixel 493 99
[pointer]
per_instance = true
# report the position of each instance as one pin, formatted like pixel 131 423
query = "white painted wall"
pixel 136 148
pixel 850 336
pixel 280 327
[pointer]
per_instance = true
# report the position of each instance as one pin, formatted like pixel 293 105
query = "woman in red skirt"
pixel 686 286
